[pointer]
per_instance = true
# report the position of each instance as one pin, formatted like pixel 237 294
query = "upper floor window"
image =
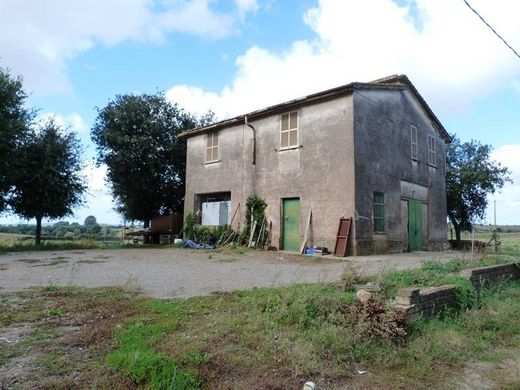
pixel 432 152
pixel 379 212
pixel 289 130
pixel 414 143
pixel 212 147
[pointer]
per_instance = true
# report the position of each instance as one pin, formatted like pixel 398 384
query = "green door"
pixel 291 224
pixel 415 225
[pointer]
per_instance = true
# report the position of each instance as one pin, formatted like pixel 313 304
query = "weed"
pixel 51 288
pixel 57 309
pixel 350 277
pixel 55 364
pixel 140 362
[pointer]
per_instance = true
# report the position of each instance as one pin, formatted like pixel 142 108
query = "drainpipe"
pixel 254 138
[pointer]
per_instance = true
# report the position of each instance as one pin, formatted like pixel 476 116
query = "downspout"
pixel 254 138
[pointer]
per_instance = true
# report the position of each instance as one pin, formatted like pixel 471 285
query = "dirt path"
pixel 501 374
pixel 184 273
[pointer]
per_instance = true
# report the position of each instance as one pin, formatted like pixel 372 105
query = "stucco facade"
pixel 352 141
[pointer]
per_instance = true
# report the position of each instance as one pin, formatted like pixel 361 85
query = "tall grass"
pixel 24 246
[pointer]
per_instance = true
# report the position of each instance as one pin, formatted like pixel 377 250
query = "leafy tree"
pixel 90 220
pixel 48 182
pixel 93 229
pixel 470 176
pixel 136 137
pixel 14 121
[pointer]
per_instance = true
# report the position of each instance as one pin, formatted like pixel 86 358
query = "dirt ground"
pixel 166 273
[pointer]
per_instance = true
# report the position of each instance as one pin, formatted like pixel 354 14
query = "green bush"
pixel 255 208
pixel 199 233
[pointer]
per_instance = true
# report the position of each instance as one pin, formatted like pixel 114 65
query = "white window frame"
pixel 414 143
pixel 213 136
pixel 289 130
pixel 432 151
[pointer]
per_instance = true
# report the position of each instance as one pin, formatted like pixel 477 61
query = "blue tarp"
pixel 196 245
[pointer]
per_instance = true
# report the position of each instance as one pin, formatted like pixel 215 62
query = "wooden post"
pixel 234 214
pixel 305 237
pixel 253 228
pixel 261 232
pixel 472 242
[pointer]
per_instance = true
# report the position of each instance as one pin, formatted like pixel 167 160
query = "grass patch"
pixel 21 246
pixel 227 260
pixel 90 261
pixel 306 332
pixel 258 338
pixel 29 261
pixel 51 263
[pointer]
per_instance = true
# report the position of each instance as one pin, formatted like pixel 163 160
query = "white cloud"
pixel 508 199
pixel 74 121
pixel 245 6
pixel 38 37
pixel 98 198
pixel 444 48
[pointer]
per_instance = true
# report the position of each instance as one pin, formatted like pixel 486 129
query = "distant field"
pixel 509 241
pixel 5 237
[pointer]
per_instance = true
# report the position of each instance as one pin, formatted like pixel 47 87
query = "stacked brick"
pixel 485 276
pixel 432 301
pixel 427 302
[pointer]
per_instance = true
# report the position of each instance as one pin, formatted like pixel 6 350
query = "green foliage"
pixel 90 220
pixel 471 175
pixel 49 246
pixel 14 128
pixel 64 230
pixel 51 288
pixel 350 278
pixel 436 267
pixel 137 359
pixel 466 295
pixel 199 233
pixel 137 138
pixel 255 208
pixel 48 181
pixel 189 226
pixel 434 274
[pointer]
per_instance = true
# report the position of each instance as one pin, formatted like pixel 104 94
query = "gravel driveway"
pixel 184 273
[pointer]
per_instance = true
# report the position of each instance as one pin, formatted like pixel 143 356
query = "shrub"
pixel 465 293
pixel 255 208
pixel 350 277
pixel 199 233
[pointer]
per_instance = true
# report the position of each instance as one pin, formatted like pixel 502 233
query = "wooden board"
pixel 340 249
pixel 306 236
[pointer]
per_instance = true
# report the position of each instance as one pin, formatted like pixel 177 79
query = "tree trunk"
pixel 38 236
pixel 458 244
pixel 146 225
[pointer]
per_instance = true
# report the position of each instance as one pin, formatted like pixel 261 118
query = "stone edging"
pixel 432 301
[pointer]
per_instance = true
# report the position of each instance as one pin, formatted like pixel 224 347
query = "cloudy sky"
pixel 236 56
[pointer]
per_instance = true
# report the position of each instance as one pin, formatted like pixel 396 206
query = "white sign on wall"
pixel 216 213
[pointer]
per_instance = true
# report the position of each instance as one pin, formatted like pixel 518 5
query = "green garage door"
pixel 415 229
pixel 291 224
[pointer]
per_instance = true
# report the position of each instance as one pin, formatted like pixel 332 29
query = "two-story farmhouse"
pixel 374 152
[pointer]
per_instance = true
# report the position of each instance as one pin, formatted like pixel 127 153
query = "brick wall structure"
pixel 432 301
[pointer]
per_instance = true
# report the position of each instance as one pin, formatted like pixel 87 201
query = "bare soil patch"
pixel 45 348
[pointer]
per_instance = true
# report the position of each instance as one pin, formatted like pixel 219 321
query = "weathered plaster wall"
pixel 320 172
pixel 383 163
